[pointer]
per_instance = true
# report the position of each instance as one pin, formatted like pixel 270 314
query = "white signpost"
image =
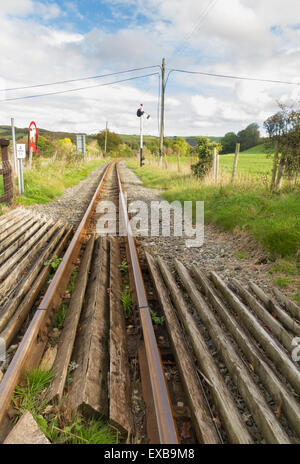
pixel 21 154
pixel 80 144
pixel 21 151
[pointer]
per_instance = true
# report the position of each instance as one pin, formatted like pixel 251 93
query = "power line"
pixel 80 79
pixel 201 18
pixel 79 88
pixel 231 77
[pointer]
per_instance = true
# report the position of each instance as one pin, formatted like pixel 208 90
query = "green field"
pixel 254 161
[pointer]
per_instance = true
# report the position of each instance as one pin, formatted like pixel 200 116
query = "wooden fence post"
pixel 236 158
pixel 6 172
pixel 166 161
pixel 178 162
pixel 275 164
pixel 214 170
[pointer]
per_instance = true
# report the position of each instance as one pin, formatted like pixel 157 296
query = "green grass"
pixel 157 320
pixel 126 301
pixel 255 162
pixel 29 395
pixel 77 431
pixel 46 182
pixel 273 219
pixel 60 316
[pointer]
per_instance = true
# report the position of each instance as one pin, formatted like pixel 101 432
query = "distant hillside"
pixel 136 138
pixel 257 150
pixel 192 140
pixel 149 138
pixel 5 132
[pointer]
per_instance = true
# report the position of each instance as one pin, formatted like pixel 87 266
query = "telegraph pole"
pixel 162 112
pixel 105 143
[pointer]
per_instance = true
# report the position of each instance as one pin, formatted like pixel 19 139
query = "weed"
pixel 28 395
pixel 239 255
pixel 77 431
pixel 71 368
pixel 126 302
pixel 54 262
pixel 60 316
pixel 156 319
pixel 123 267
pixel 282 282
pixel 73 281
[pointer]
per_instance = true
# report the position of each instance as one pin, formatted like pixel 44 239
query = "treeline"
pixel 247 138
pixel 120 146
pixel 283 129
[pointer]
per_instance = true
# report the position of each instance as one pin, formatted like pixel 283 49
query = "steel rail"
pixel 163 410
pixel 53 294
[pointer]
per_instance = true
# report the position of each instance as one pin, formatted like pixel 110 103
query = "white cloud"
pixel 236 37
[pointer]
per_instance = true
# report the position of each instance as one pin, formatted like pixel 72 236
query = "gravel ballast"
pixel 221 251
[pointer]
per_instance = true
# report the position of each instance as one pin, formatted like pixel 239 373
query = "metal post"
pixel 141 141
pixel 14 143
pixel 20 177
pixel 162 112
pixel 235 163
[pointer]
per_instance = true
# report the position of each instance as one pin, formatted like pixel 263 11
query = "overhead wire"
pixel 244 78
pixel 79 79
pixel 77 89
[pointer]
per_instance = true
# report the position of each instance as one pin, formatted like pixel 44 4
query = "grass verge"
pixel 46 182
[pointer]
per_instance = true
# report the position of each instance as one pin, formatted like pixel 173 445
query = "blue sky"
pixel 52 40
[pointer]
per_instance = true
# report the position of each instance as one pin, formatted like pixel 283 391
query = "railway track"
pixel 168 355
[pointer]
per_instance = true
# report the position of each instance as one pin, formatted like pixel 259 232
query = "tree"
pixel 204 150
pixel 283 129
pixel 45 147
pixel 113 140
pixel 180 146
pixel 249 137
pixel 229 142
pixel 153 147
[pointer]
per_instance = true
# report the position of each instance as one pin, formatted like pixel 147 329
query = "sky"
pixel 50 41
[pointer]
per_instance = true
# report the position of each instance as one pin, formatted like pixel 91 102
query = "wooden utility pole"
pixel 275 165
pixel 236 158
pixel 105 143
pixel 162 112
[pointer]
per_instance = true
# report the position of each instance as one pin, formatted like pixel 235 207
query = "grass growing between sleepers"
pixel 30 396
